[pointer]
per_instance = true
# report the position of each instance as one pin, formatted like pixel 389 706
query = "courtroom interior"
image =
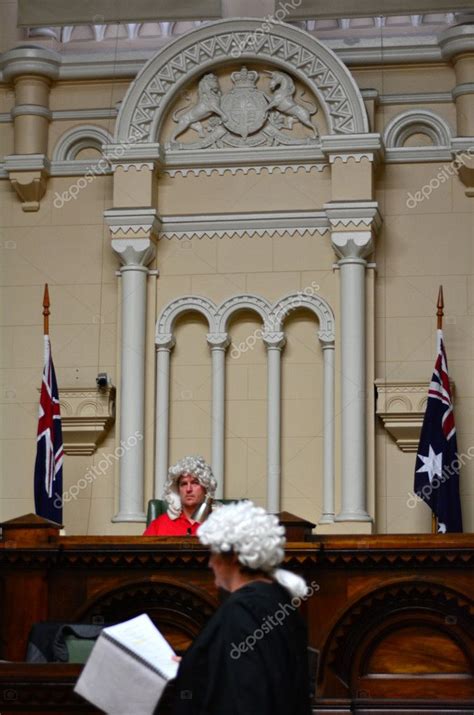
pixel 244 212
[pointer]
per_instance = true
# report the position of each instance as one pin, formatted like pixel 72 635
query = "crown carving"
pixel 244 78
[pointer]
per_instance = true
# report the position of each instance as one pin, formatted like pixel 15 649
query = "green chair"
pixel 156 507
pixel 79 649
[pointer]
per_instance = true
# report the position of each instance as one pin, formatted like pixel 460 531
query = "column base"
pixel 345 527
pixel 129 516
pixel 353 516
pixel 327 518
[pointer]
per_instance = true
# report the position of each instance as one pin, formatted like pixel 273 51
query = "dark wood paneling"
pixel 392 616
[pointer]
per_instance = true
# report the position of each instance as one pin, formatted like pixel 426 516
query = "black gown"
pixel 270 678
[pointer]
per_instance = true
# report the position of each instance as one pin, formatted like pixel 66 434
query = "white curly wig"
pixel 255 537
pixel 196 466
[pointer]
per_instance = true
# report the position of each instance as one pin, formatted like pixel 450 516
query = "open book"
pixel 128 668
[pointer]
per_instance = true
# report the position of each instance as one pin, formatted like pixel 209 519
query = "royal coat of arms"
pixel 246 115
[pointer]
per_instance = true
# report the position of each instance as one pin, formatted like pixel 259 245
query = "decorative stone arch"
pixel 315 303
pixel 417 121
pixel 86 136
pixel 241 302
pixel 272 316
pixel 178 307
pixel 326 333
pixel 191 55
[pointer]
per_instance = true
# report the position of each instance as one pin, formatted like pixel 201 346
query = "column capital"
pixel 134 252
pixel 355 245
pixel 165 341
pixel 457 40
pixel 274 340
pixel 353 227
pixel 218 341
pixel 326 339
pixel 31 60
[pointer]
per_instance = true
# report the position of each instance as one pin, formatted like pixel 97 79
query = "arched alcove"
pixel 406 616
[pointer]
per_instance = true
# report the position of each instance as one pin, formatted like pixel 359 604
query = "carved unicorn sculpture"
pixel 282 99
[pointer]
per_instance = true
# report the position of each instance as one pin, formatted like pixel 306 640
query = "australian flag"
pixel 437 462
pixel 49 451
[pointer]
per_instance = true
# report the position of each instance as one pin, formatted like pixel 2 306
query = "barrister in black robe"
pixel 251 657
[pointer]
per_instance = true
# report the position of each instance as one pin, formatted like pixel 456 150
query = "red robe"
pixel 164 526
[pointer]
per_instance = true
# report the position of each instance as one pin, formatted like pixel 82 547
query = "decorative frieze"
pixel 233 170
pixel 244 224
pixel 133 224
pixel 347 216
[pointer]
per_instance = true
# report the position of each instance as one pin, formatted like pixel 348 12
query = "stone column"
pixel 274 342
pixel 328 511
pixel 218 343
pixel 352 239
pixel 133 240
pixel 164 346
pixel 31 70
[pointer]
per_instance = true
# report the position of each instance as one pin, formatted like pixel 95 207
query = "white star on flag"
pixel 432 464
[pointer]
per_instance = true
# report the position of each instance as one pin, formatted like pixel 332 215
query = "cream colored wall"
pixel 70 248
pixel 419 249
pixel 251 192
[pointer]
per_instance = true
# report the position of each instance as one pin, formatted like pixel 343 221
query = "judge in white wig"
pixel 251 656
pixel 188 465
pixel 189 483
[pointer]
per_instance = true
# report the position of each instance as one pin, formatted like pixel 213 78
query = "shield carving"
pixel 245 106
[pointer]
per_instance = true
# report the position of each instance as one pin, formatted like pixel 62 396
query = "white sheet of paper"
pixel 142 637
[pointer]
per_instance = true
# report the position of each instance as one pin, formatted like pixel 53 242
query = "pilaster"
pixel 31 70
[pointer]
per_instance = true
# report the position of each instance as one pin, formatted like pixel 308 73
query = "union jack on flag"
pixel 437 462
pixel 49 450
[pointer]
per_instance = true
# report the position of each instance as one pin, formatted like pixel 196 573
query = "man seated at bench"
pixel 190 482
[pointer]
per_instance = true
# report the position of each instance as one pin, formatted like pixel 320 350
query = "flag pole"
pixel 46 305
pixel 439 326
